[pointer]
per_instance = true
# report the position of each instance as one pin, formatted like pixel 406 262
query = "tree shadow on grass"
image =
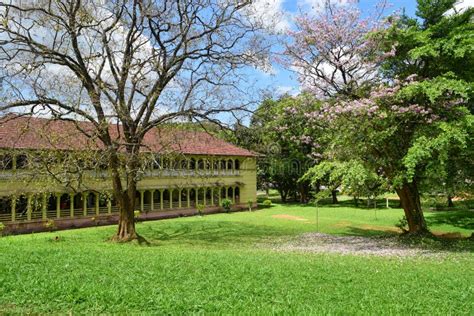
pixel 210 233
pixel 362 204
pixel 370 232
pixel 462 219
pixel 433 243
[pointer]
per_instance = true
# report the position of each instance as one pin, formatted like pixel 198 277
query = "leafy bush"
pixel 50 224
pixel 402 224
pixel 226 204
pixel 250 204
pixel 200 209
pixel 136 214
pixel 267 203
pixel 2 228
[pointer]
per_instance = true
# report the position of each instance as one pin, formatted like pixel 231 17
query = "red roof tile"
pixel 38 133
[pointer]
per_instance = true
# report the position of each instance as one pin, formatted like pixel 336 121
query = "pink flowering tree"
pixel 330 51
pixel 288 144
pixel 397 98
pixel 396 130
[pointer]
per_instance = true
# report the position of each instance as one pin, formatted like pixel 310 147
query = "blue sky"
pixel 283 81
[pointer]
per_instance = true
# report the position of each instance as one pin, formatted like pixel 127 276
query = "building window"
pixel 21 162
pixel 192 164
pixel 6 162
pixel 201 164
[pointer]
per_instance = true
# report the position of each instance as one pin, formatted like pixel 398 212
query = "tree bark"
pixel 334 197
pixel 283 195
pixel 304 192
pixel 126 203
pixel 450 201
pixel 410 201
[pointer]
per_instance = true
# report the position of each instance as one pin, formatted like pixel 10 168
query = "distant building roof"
pixel 26 132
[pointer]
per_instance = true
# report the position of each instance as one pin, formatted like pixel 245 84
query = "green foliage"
pixel 250 204
pixel 352 176
pixel 267 203
pixel 432 11
pixel 282 135
pixel 434 153
pixel 402 224
pixel 226 204
pixel 2 228
pixel 137 214
pixel 50 224
pixel 200 208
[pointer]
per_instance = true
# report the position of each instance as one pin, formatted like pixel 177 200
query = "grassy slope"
pixel 211 264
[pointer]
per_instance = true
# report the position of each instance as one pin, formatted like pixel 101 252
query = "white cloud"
pixel 282 90
pixel 271 14
pixel 318 5
pixel 460 6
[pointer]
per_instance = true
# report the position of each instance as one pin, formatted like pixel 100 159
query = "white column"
pixel 84 203
pixel 43 206
pixel 13 207
pixel 142 198
pixel 97 199
pixel 109 204
pixel 161 199
pixel 170 191
pixel 152 201
pixel 58 205
pixel 188 198
pixel 71 204
pixel 29 206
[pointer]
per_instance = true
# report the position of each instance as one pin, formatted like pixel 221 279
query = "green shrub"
pixel 136 214
pixel 50 224
pixel 200 209
pixel 250 204
pixel 402 224
pixel 267 203
pixel 226 204
pixel 2 228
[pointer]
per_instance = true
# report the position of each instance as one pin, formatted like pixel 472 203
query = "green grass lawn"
pixel 219 264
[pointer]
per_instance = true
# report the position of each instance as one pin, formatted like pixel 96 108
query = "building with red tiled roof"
pixel 187 168
pixel 39 133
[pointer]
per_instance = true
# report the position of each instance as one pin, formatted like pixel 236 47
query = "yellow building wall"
pixel 18 182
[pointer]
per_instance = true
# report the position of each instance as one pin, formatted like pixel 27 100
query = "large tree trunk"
pixel 126 203
pixel 450 201
pixel 304 192
pixel 334 196
pixel 126 225
pixel 283 194
pixel 410 201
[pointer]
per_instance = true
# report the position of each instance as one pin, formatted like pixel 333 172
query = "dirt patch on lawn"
pixel 381 228
pixel 351 245
pixel 290 217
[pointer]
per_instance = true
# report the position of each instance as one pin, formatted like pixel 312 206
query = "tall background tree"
pixel 412 108
pixel 136 64
pixel 278 131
